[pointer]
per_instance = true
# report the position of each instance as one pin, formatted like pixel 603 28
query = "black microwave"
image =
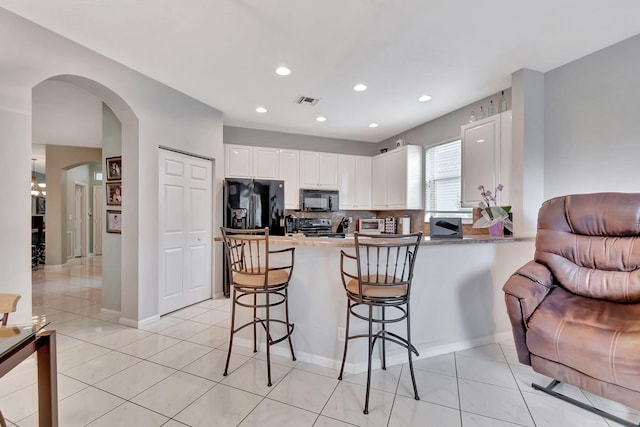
pixel 319 200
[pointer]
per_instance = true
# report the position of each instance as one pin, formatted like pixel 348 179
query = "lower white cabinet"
pixel 398 181
pixel 354 182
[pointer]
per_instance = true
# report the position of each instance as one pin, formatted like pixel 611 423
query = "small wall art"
pixel 114 168
pixel 114 193
pixel 114 222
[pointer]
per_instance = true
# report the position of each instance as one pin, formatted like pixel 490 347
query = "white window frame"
pixel 430 181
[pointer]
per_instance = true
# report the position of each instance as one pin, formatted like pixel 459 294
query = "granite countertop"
pixel 300 240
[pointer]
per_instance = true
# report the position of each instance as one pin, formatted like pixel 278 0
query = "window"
pixel 443 181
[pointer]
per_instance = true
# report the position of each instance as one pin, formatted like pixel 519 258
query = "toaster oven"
pixel 371 226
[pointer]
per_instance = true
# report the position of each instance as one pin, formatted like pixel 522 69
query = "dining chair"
pixel 8 304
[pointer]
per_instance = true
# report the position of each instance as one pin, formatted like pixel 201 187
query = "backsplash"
pixel 417 217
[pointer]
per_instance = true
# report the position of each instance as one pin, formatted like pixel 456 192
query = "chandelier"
pixel 37 188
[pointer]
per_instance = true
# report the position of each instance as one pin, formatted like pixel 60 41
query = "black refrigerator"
pixel 253 203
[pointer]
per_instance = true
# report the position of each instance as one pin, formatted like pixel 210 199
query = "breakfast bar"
pixel 456 298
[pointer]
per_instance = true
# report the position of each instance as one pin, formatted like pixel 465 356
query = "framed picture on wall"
pixel 114 222
pixel 114 168
pixel 114 193
pixel 41 204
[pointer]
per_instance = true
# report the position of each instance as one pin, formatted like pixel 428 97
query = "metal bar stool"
pixel 382 279
pixel 251 275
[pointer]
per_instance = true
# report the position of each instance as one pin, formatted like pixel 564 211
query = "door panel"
pixel 185 230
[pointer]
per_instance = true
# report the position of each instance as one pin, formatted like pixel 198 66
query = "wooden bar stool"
pixel 381 278
pixel 257 284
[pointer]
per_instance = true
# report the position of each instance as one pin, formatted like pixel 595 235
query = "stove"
pixel 314 226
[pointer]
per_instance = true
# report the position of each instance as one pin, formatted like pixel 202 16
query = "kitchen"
pixel 339 197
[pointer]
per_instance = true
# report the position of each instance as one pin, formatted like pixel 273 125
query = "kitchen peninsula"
pixel 456 299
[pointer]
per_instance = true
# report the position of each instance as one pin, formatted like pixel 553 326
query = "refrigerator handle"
pixel 251 214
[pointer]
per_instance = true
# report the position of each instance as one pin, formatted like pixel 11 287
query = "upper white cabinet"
pixel 318 170
pixel 290 174
pixel 486 158
pixel 354 182
pixel 398 179
pixel 242 161
pixel 266 163
pixel 238 161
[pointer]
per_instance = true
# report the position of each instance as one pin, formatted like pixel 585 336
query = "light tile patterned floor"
pixel 170 374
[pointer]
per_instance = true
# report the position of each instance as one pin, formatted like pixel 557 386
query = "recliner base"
pixel 549 390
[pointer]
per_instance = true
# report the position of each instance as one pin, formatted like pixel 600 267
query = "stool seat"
pixel 257 280
pixel 377 291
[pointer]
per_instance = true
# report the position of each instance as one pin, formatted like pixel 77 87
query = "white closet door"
pixel 185 223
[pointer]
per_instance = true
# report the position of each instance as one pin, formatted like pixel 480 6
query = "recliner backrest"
pixel 591 244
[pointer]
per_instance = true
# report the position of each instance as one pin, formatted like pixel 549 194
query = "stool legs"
pixel 233 322
pixel 382 334
pixel 409 351
pixel 266 324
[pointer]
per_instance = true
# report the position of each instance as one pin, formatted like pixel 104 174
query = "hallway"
pixel 170 374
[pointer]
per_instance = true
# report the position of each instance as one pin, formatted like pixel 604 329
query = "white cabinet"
pixel 486 158
pixel 318 170
pixel 398 179
pixel 238 161
pixel 354 182
pixel 289 173
pixel 266 163
pixel 242 161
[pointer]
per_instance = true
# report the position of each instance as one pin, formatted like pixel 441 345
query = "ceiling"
pixel 224 52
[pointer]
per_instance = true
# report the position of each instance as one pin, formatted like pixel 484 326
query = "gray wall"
pixel 592 132
pixel 447 127
pixel 265 138
pixel 111 242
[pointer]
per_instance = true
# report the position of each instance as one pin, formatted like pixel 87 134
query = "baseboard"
pixel 395 355
pixel 138 323
pixel 109 311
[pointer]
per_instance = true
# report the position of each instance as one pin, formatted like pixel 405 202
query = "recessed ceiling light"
pixel 424 98
pixel 373 125
pixel 261 110
pixel 283 71
pixel 321 119
pixel 360 87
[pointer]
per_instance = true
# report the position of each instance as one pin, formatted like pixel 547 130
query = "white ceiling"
pixel 224 52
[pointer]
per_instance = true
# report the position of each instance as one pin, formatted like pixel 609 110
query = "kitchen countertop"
pixel 301 240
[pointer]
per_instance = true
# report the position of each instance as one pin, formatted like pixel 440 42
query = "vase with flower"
pixel 494 217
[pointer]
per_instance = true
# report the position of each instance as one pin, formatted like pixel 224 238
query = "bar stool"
pixel 251 275
pixel 382 279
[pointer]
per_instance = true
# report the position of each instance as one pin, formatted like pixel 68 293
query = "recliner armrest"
pixel 523 293
pixel 530 284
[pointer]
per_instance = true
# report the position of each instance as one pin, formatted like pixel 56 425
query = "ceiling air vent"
pixel 307 100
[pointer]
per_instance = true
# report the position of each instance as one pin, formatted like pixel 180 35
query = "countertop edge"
pixel 298 240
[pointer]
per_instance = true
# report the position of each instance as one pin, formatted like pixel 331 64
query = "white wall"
pixel 152 114
pixel 592 129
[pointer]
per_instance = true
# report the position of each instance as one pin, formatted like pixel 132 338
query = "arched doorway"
pixel 116 135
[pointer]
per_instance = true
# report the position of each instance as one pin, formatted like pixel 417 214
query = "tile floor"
pixel 170 374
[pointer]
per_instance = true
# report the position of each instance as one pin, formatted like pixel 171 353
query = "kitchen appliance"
pixel 319 200
pixel 253 203
pixel 445 228
pixel 290 224
pixel 314 226
pixel 404 225
pixel 371 226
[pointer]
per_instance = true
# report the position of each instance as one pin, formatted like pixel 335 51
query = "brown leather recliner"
pixel 575 309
